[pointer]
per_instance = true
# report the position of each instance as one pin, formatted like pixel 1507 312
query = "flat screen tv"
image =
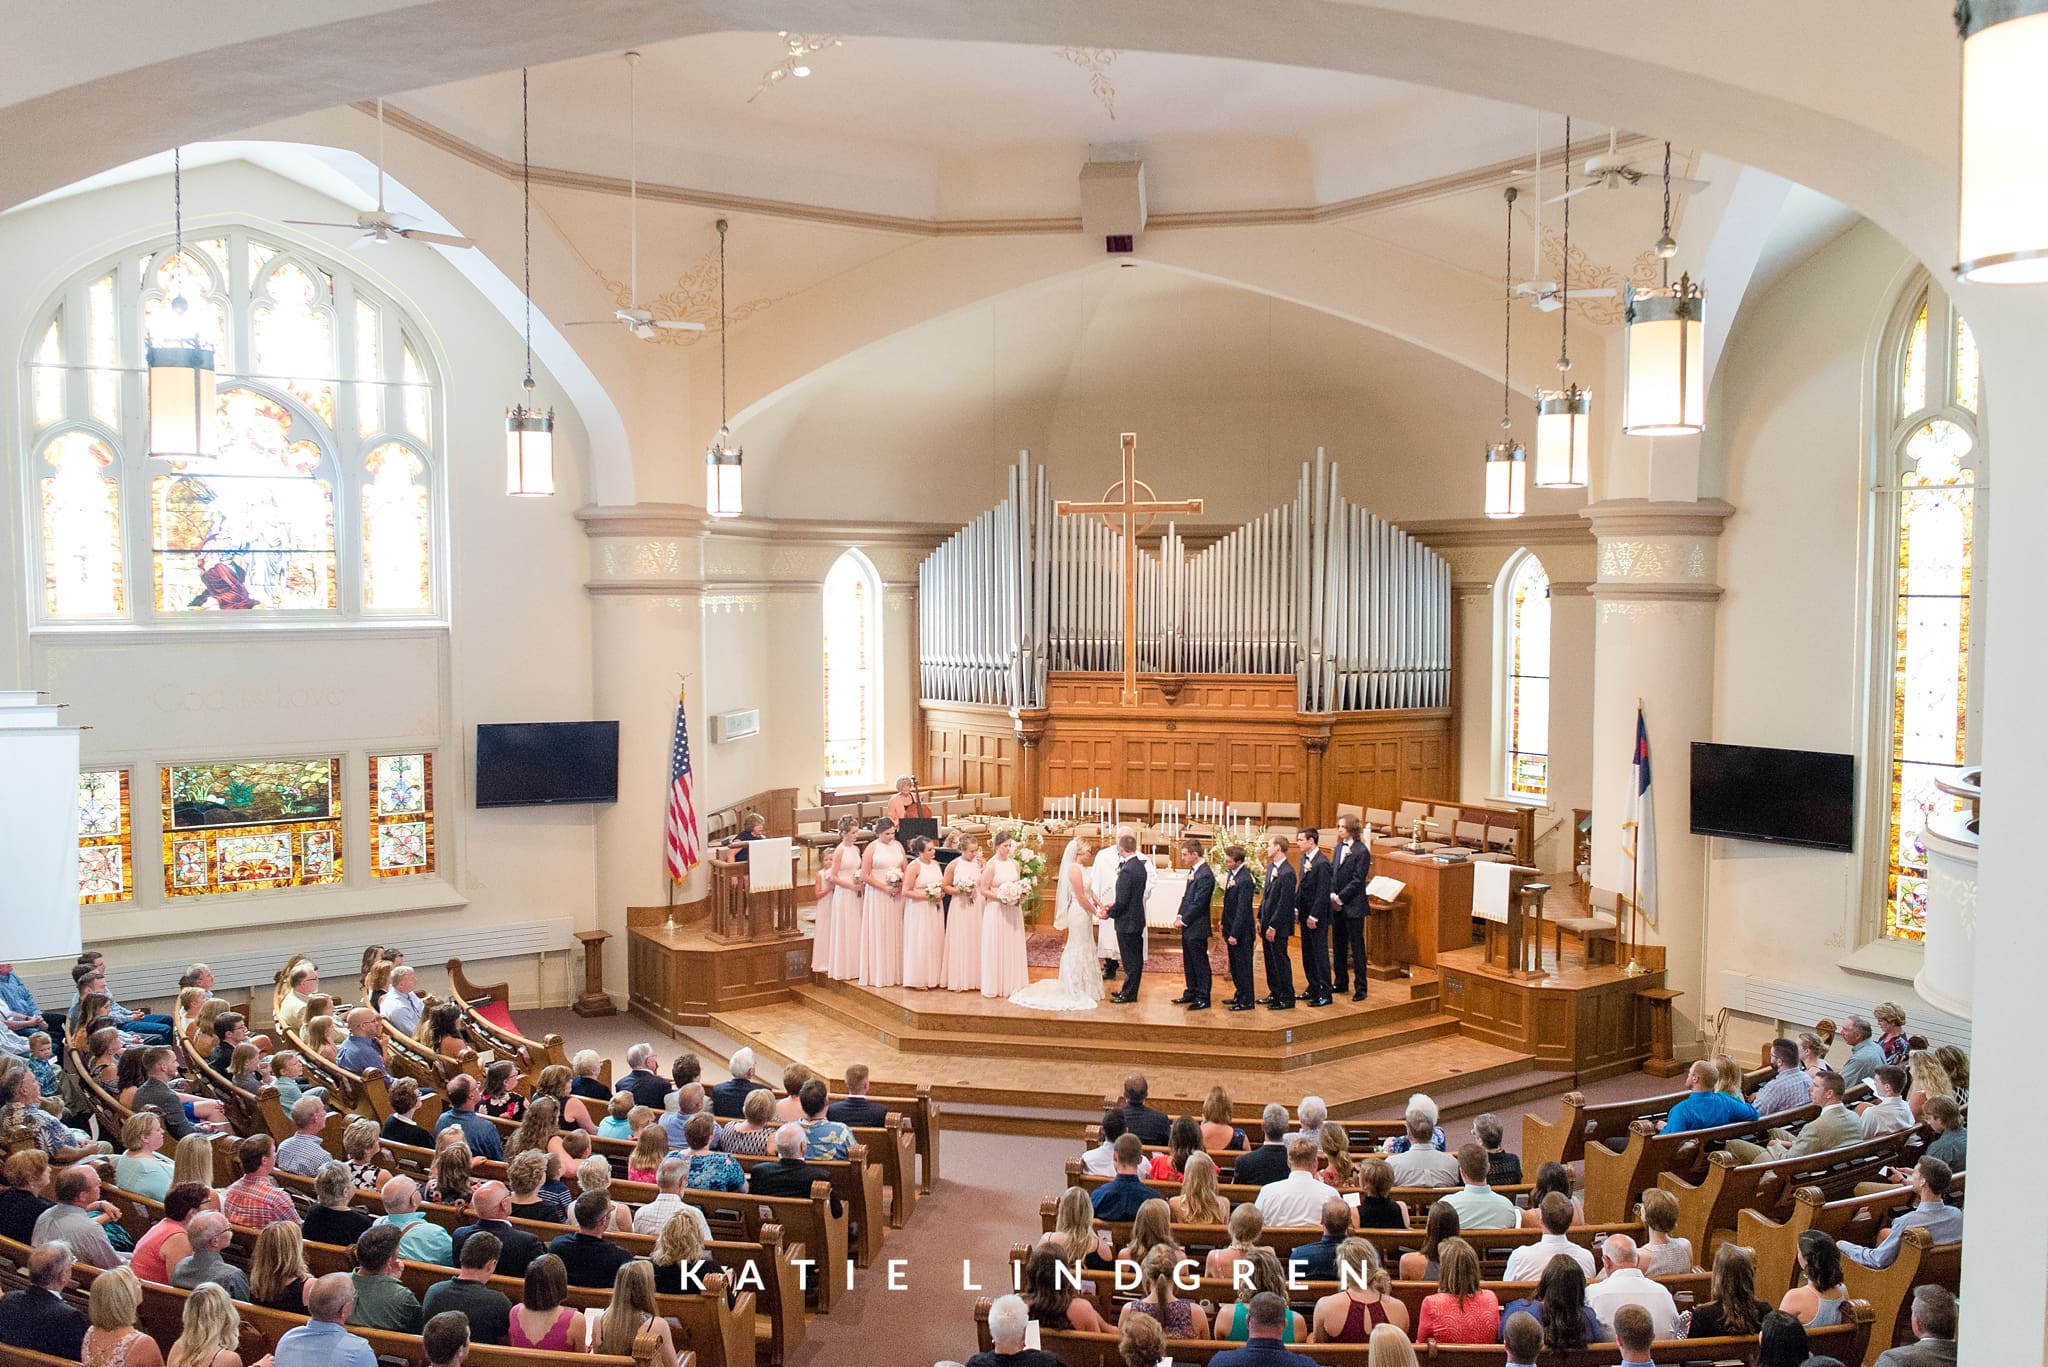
pixel 1781 797
pixel 537 764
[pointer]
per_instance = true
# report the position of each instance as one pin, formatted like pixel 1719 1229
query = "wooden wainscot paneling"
pixel 679 977
pixel 1589 1022
pixel 970 746
pixel 1376 758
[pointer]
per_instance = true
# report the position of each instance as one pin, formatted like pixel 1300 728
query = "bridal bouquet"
pixel 1012 893
pixel 894 878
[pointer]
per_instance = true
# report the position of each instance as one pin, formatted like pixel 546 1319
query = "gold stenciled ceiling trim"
pixel 1096 61
pixel 1584 273
pixel 692 299
pixel 800 46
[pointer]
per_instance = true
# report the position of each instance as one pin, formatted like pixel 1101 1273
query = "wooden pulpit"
pixel 745 909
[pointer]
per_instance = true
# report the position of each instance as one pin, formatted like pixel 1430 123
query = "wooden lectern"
pixel 1386 932
pixel 740 912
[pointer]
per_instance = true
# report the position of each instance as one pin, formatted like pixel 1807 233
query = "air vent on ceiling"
pixel 1113 202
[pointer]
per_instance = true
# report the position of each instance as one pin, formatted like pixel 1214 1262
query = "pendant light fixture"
pixel 1664 389
pixel 183 423
pixel 1507 463
pixel 2002 224
pixel 722 460
pixel 1563 458
pixel 529 433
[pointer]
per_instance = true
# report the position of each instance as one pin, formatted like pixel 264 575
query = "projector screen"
pixel 39 840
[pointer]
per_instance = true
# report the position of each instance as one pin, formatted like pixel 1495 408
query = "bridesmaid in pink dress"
pixel 924 924
pixel 1004 966
pixel 840 916
pixel 963 919
pixel 882 908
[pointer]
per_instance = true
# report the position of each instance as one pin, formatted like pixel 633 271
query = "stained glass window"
pixel 1929 503
pixel 306 416
pixel 1526 690
pixel 401 815
pixel 104 852
pixel 852 632
pixel 245 826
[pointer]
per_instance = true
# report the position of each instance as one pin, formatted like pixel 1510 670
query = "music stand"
pixel 911 827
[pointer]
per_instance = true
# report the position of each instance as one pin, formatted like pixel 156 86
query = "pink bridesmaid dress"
pixel 924 927
pixel 1004 965
pixel 842 914
pixel 882 920
pixel 963 928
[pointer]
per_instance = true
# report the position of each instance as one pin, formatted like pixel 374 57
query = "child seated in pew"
pixel 615 1124
pixel 649 1149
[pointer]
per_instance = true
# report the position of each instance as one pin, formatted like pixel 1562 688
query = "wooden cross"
pixel 1126 505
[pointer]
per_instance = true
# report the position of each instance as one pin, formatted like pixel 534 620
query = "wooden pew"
pixel 892 1146
pixel 1890 1292
pixel 532 1055
pixel 1850 1219
pixel 1616 1181
pixel 1579 1123
pixel 1418 1199
pixel 914 1100
pixel 1847 1341
pixel 1707 1209
pixel 858 1184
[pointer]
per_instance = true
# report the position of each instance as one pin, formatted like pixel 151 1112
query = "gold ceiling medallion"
pixel 801 47
pixel 1584 273
pixel 1096 61
pixel 693 298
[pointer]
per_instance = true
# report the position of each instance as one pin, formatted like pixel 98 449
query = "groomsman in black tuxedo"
pixel 1240 926
pixel 1127 913
pixel 1349 872
pixel 1313 898
pixel 1276 926
pixel 1193 920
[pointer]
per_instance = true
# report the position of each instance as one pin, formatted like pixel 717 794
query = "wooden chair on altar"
pixel 1379 818
pixel 1601 935
pixel 1278 812
pixel 814 842
pixel 995 806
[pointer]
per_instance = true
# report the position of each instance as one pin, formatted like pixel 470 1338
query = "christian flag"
pixel 683 851
pixel 1643 812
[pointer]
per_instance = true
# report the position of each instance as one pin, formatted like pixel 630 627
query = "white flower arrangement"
pixel 1013 892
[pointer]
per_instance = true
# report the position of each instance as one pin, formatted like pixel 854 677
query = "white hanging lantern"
pixel 1563 452
pixel 722 465
pixel 2002 223
pixel 1664 392
pixel 529 452
pixel 183 422
pixel 1507 479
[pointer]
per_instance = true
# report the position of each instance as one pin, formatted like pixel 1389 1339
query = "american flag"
pixel 683 850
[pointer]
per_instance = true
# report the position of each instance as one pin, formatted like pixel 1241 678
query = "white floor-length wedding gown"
pixel 1079 984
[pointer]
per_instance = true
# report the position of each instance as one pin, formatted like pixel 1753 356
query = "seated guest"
pixel 399 1126
pixel 1141 1342
pixel 1781 1342
pixel 1312 1111
pixel 479 1135
pixel 1149 1125
pixel 1268 1323
pixel 1439 1226
pixel 156 1093
pixel 1160 1298
pixel 1559 1305
pixel 491 1203
pixel 37 1317
pixel 1955 1064
pixel 446 1338
pixel 1364 1301
pixel 211 1334
pixel 27 1195
pixel 854 1108
pixel 1317 1262
pixel 728 1098
pixel 1526 1263
pixel 1100 1160
pixel 255 1199
pixel 452 1180
pixel 681 1261
pixel 1943 1222
pixel 1933 1319
pixel 648 1087
pixel 1479 1206
pixel 1077 1240
pixel 1865 1057
pixel 277 1269
pixel 538 1130
pixel 584 1067
pixel 586 1257
pixel 1502 1169
pixel 305 982
pixel 288 1075
pixel 1050 1294
pixel 1891 1033
pixel 210 1233
pixel 823 1138
pixel 1218 1133
pixel 142 1167
pixel 1787 1088
pixel 361 1145
pixel 362 1052
pixel 112 1308
pixel 1835 1126
pixel 631 1315
pixel 164 1244
pixel 595 1174
pixel 382 1300
pixel 488 1310
pixel 502 1099
pixel 1461 1311
pixel 1151 1228
pixel 1951 1140
pixel 1634 1334
pixel 753 1132
pixel 541 1319
pixel 1925 1080
pixel 230 1029
pixel 1267 1162
pixel 1120 1197
pixel 79 1218
pixel 1625 1284
pixel 1297 1198
pixel 1662 1255
pixel 524 1177
pixel 789 1174
pixel 1731 1307
pixel 670 1179
pixel 1523 1338
pixel 789 1106
pixel 617 1122
pixel 402 1004
pixel 686 1101
pixel 155 1028
pixel 1006 1320
pixel 1184 1137
pixel 710 1171
pixel 1889 1113
pixel 331 1219
pixel 444 1033
pixel 304 1151
pixel 1818 1298
pixel 1377 1208
pixel 1422 1163
pixel 1421 1105
pixel 1707 1106
pixel 420 1239
pixel 195 1161
pixel 323 1342
pixel 1200 1202
pixel 1263 1274
pixel 21 1108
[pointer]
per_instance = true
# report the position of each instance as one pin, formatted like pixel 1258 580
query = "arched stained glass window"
pixel 324 500
pixel 1525 682
pixel 853 742
pixel 1928 513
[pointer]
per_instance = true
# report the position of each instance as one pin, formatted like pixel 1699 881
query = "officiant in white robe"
pixel 1102 881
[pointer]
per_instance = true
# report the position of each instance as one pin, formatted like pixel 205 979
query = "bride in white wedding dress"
pixel 1079 984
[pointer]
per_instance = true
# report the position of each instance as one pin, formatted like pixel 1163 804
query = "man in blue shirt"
pixel 1120 1197
pixel 1865 1057
pixel 154 1028
pixel 1265 1322
pixel 1942 1221
pixel 477 1130
pixel 1705 1108
pixel 325 1340
pixel 18 1004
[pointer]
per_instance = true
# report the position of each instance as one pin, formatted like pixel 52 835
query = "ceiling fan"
pixel 1545 295
pixel 1612 171
pixel 381 225
pixel 639 321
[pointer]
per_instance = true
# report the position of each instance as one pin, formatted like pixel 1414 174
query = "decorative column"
pixel 1654 592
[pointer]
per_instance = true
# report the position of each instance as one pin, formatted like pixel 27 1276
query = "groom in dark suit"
pixel 1313 897
pixel 1350 870
pixel 1276 926
pixel 1127 913
pixel 1193 920
pixel 1240 926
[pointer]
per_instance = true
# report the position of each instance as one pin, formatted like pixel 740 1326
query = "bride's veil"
pixel 1063 901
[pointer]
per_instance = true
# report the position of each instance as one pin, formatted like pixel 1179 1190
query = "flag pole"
pixel 682 697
